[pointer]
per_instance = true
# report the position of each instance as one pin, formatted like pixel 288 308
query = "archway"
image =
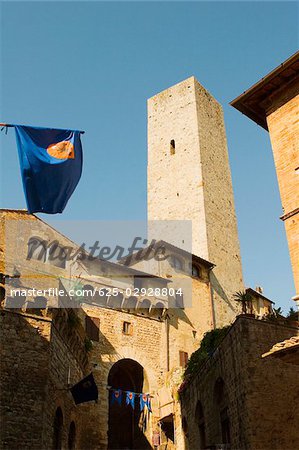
pixel 125 424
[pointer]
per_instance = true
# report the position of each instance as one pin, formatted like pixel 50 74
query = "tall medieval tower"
pixel 189 179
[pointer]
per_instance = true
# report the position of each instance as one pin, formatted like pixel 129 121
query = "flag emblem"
pixel 62 150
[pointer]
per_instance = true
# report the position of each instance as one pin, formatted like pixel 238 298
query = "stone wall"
pixel 283 129
pixel 37 362
pixel 24 367
pixel 146 345
pixel 259 395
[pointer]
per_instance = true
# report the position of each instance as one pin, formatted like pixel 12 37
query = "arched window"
pixel 37 249
pixel 225 426
pixel 101 297
pixel 130 303
pixel 219 391
pixel 195 270
pixel 144 306
pixel 72 436
pixel 57 429
pixel 199 416
pixel 157 310
pixel 116 301
pixel 221 403
pixel 88 293
pixel 176 263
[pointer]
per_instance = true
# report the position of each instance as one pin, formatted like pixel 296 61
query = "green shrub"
pixel 208 345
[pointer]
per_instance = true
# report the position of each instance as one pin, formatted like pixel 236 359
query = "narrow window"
pixel 183 358
pixel 225 426
pixel 172 147
pixel 72 436
pixel 199 414
pixel 195 271
pixel 57 426
pixel 127 328
pixel 176 263
pixel 92 325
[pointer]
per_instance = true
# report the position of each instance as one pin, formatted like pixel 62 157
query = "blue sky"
pixel 92 65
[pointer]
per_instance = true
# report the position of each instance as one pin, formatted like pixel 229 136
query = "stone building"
pixel 44 341
pixel 238 400
pixel 132 340
pixel 138 342
pixel 273 103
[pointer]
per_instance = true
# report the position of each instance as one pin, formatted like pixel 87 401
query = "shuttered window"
pixel 183 358
pixel 127 328
pixel 92 325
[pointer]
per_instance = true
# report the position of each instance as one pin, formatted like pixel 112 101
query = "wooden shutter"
pixel 92 325
pixel 183 358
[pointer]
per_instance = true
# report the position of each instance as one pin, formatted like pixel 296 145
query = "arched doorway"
pixel 125 424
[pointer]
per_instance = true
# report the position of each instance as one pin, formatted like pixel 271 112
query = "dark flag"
pixel 51 166
pixel 85 391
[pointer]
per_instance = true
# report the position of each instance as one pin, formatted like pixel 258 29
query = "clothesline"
pixel 110 388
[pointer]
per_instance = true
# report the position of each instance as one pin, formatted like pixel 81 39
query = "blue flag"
pixel 130 399
pixel 116 396
pixel 51 166
pixel 145 401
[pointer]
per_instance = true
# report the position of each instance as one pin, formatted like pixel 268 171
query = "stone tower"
pixel 189 179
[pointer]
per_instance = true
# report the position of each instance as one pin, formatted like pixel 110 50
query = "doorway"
pixel 125 424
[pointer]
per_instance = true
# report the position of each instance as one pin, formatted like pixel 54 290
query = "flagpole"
pixel 9 125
